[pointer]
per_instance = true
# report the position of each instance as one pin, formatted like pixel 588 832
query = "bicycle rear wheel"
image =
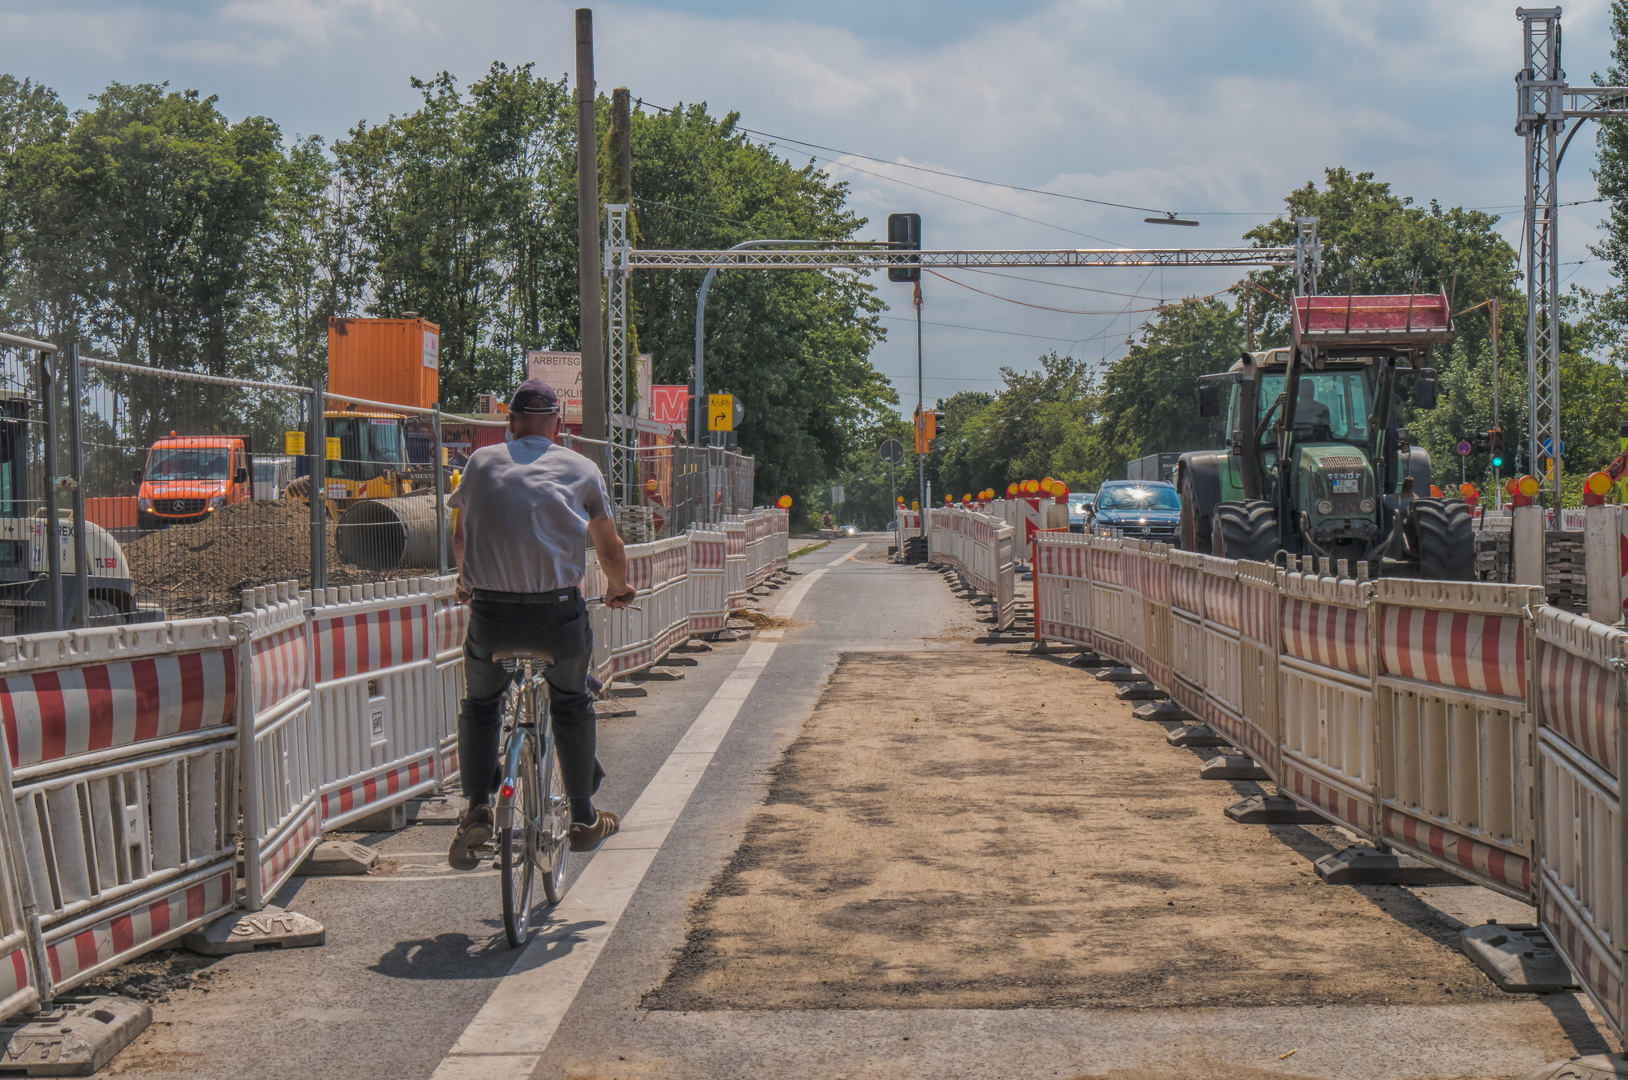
pixel 517 843
pixel 553 827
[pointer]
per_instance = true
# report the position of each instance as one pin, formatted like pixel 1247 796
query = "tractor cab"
pixel 1315 462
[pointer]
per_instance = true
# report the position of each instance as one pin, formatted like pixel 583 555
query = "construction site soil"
pixel 1040 848
pixel 203 568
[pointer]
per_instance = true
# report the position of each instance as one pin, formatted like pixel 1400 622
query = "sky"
pixel 1215 111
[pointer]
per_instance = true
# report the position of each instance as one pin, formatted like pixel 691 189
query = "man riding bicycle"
pixel 524 509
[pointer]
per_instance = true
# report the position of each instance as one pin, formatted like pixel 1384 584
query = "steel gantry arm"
pixel 1543 103
pixel 622 259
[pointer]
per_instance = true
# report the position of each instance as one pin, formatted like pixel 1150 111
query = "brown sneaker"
pixel 473 831
pixel 588 837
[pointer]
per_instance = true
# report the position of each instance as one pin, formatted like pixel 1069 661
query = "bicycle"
pixel 533 816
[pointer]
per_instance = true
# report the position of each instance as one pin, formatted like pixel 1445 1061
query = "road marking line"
pixel 509 1034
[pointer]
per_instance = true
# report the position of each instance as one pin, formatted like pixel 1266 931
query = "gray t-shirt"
pixel 525 508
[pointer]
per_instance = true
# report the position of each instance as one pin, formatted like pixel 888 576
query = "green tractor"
pixel 1315 462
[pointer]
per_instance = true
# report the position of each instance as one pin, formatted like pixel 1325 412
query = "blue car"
pixel 1139 509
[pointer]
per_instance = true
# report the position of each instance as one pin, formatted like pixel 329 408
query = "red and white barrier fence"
pixel 1466 724
pixel 980 548
pixel 138 755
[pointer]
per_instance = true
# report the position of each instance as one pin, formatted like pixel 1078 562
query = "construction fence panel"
pixel 124 744
pixel 1325 689
pixel 638 636
pixel 735 568
pixel 1187 640
pixel 1104 575
pixel 709 593
pixel 1062 591
pixel 1132 610
pixel 378 695
pixel 1455 733
pixel 1223 650
pixel 1577 700
pixel 278 735
pixel 1258 674
pixel 450 627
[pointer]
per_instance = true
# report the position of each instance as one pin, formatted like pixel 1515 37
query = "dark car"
pixel 1139 509
pixel 1079 512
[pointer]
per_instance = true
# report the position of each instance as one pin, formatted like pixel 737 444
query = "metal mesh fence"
pixel 24 545
pixel 189 488
pixel 380 479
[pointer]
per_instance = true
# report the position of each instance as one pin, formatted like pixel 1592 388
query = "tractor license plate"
pixel 337 491
pixel 1345 485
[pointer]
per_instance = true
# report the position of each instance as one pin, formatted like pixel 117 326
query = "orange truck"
pixel 189 477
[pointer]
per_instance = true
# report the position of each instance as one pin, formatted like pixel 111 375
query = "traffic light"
pixel 1495 446
pixel 904 234
pixel 926 430
pixel 1478 443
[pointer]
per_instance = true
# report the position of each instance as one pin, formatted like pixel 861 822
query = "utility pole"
pixel 1249 321
pixel 590 332
pixel 1497 422
pixel 921 446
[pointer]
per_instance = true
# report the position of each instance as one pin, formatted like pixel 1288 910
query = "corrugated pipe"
pixel 389 534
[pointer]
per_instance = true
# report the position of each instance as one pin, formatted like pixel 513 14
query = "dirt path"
pixel 1046 850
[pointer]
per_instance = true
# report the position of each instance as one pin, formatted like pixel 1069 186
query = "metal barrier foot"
pixel 246 931
pixel 339 858
pixel 75 1037
pixel 1593 1067
pixel 1164 710
pixel 1519 958
pixel 1232 767
pixel 1369 866
pixel 1273 810
pixel 1195 735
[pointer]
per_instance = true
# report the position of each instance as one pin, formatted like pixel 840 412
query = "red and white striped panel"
pixel 735 537
pixel 1223 601
pixel 451 623
pixel 1454 648
pixel 50 715
pixel 1349 806
pixel 1157 572
pixel 1602 982
pixel 129 933
pixel 1187 590
pixel 707 554
pixel 353 644
pixel 279 667
pixel 1324 634
pixel 278 861
pixel 1579 701
pixel 365 792
pixel 640 571
pixel 1472 856
pixel 14 971
pixel 1258 611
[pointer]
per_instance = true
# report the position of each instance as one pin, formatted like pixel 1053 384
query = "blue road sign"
pixel 1549 453
pixel 1463 448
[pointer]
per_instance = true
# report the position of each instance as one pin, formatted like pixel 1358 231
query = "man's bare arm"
pixel 458 554
pixel 612 560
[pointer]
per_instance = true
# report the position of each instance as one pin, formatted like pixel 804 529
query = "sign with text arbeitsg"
pixel 563 371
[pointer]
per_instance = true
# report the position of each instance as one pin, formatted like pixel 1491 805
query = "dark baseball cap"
pixel 534 396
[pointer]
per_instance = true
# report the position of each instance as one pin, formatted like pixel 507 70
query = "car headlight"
pixel 1324 506
pixel 217 502
pixel 1366 506
pixel 144 504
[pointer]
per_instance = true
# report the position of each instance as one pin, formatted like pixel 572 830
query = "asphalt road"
pixel 412 981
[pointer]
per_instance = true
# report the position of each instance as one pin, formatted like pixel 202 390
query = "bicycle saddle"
pixel 535 655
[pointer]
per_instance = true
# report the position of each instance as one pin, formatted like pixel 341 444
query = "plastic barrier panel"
pixel 1455 735
pixel 1187 640
pixel 378 697
pixel 640 635
pixel 450 626
pixel 1062 592
pixel 124 743
pixel 1157 644
pixel 709 594
pixel 1326 693
pixel 1103 570
pixel 979 547
pixel 1577 700
pixel 735 568
pixel 1258 674
pixel 1223 650
pixel 278 734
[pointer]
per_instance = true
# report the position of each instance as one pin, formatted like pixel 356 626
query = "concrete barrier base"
pixel 1369 866
pixel 1273 810
pixel 75 1037
pixel 1517 957
pixel 1593 1067
pixel 1232 767
pixel 338 858
pixel 243 931
pixel 1195 735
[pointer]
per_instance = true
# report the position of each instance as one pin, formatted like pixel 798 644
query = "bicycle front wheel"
pixel 553 828
pixel 517 845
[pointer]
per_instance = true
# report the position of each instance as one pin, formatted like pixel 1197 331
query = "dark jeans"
pixel 560 629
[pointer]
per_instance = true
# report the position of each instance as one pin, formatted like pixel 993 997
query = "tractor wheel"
pixel 1244 530
pixel 1441 537
pixel 1195 527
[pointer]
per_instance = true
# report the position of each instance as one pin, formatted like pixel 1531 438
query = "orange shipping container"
pixel 391 360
